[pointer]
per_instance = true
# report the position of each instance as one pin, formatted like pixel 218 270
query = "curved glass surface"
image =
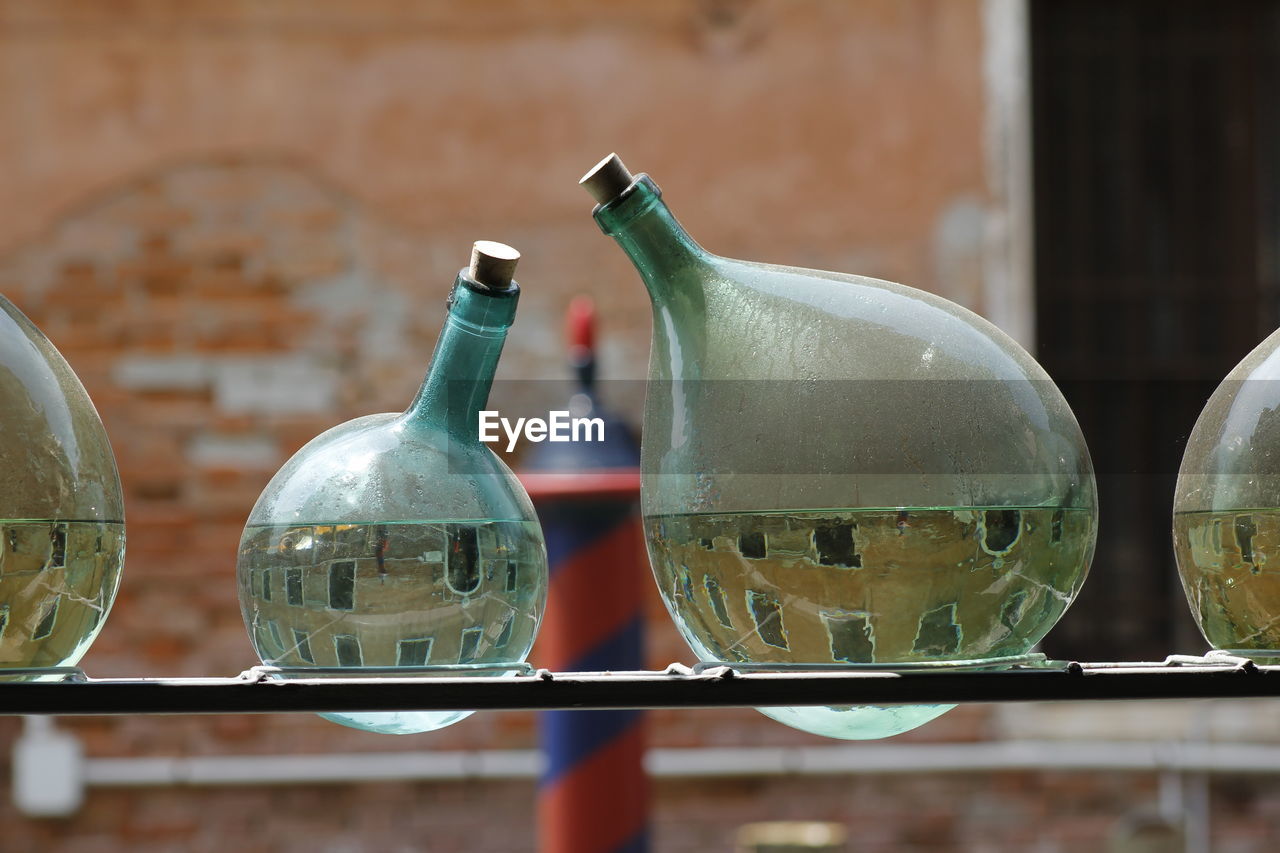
pixel 838 469
pixel 401 540
pixel 1226 521
pixel 61 513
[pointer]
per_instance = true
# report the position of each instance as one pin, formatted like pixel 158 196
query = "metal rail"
pixel 261 690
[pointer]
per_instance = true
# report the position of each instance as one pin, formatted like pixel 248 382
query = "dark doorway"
pixel 1155 150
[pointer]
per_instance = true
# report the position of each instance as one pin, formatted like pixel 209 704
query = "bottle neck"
pixel 460 375
pixel 642 224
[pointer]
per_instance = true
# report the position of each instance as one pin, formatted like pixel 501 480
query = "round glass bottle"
pixel 1226 509
pixel 61 512
pixel 399 540
pixel 840 471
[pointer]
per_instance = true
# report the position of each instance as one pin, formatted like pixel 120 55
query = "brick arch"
pixel 221 313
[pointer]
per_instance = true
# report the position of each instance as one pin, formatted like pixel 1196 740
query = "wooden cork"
pixel 493 264
pixel 607 179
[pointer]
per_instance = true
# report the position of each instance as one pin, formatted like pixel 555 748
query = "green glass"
pixel 399 540
pixel 844 472
pixel 61 512
pixel 1226 509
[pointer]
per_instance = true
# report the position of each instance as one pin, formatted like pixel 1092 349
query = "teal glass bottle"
pixel 1226 509
pixel 844 472
pixel 61 511
pixel 398 543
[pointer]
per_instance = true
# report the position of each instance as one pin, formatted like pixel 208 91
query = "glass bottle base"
pixel 396 722
pixel 856 722
pixel 41 673
pixel 870 722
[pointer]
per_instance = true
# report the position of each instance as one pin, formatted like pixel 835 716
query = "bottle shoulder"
pixel 1232 458
pixel 756 320
pixel 387 467
pixel 53 445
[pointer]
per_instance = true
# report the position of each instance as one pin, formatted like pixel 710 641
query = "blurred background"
pixel 239 222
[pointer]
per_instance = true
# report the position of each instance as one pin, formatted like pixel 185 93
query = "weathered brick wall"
pixel 238 222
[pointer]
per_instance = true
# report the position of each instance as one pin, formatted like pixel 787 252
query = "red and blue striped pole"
pixel 593 794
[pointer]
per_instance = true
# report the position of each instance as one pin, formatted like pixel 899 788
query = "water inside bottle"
pixel 397 594
pixel 869 586
pixel 57 581
pixel 1230 566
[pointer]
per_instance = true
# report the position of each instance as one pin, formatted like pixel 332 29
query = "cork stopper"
pixel 493 264
pixel 607 179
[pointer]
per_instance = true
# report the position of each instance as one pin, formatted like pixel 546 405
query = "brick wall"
pixel 239 221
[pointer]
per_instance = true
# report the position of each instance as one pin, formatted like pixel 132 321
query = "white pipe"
pixel 988 757
pixel 45 755
pixel 328 768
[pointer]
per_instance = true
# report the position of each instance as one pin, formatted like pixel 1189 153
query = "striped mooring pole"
pixel 593 794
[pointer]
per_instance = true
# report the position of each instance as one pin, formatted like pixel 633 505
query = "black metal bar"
pixel 676 688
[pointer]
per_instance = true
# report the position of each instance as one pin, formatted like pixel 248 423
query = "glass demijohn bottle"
pixel 1226 509
pixel 844 472
pixel 399 540
pixel 61 513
